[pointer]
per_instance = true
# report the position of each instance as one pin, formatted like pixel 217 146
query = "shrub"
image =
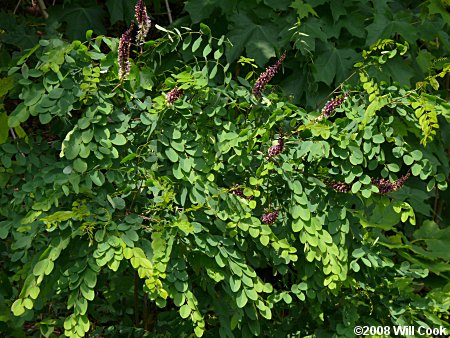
pixel 139 190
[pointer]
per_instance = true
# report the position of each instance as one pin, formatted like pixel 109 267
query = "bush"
pixel 139 191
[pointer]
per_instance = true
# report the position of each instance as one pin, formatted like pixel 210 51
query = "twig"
pixel 136 298
pixel 13 133
pixel 17 6
pixel 169 13
pixel 43 8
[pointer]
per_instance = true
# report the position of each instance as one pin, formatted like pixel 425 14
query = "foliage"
pixel 124 209
pixel 328 37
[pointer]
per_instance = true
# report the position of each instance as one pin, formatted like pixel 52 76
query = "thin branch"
pixel 43 8
pixel 169 13
pixel 13 133
pixel 17 6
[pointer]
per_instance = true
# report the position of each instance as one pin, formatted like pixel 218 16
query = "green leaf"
pixel 235 283
pixel 34 292
pixel 303 10
pixel 79 165
pixel 119 140
pixel 147 76
pixel 334 64
pixel 259 40
pixel 129 157
pixel 40 267
pixel 120 10
pixel 185 311
pixel 19 115
pixel 18 308
pixel 119 203
pixel 196 44
pixel 172 155
pixel 80 17
pixel 241 299
pixel 97 178
pixel 207 50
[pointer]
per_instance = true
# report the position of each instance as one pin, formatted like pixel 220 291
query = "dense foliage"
pixel 152 189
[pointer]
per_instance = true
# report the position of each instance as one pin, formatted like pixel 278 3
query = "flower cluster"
pixel 240 193
pixel 330 106
pixel 174 95
pixel 143 21
pixel 269 217
pixel 124 53
pixel 339 186
pixel 386 186
pixel 266 76
pixel 278 148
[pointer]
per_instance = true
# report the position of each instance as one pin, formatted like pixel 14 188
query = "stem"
pixel 136 299
pixel 13 134
pixel 145 312
pixel 169 13
pixel 436 206
pixel 17 6
pixel 43 8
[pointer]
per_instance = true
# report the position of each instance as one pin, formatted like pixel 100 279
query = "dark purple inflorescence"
pixel 386 186
pixel 239 192
pixel 339 186
pixel 269 217
pixel 124 53
pixel 143 21
pixel 330 106
pixel 266 76
pixel 174 95
pixel 278 148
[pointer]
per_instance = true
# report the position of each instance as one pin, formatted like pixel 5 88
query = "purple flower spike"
pixel 239 192
pixel 276 149
pixel 339 186
pixel 265 77
pixel 269 217
pixel 330 106
pixel 386 186
pixel 174 95
pixel 124 53
pixel 144 23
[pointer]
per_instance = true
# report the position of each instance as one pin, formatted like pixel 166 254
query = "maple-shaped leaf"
pixel 437 240
pixel 334 64
pixel 387 23
pixel 441 8
pixel 120 10
pixel 80 18
pixel 260 41
pixel 303 9
pixel 200 10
